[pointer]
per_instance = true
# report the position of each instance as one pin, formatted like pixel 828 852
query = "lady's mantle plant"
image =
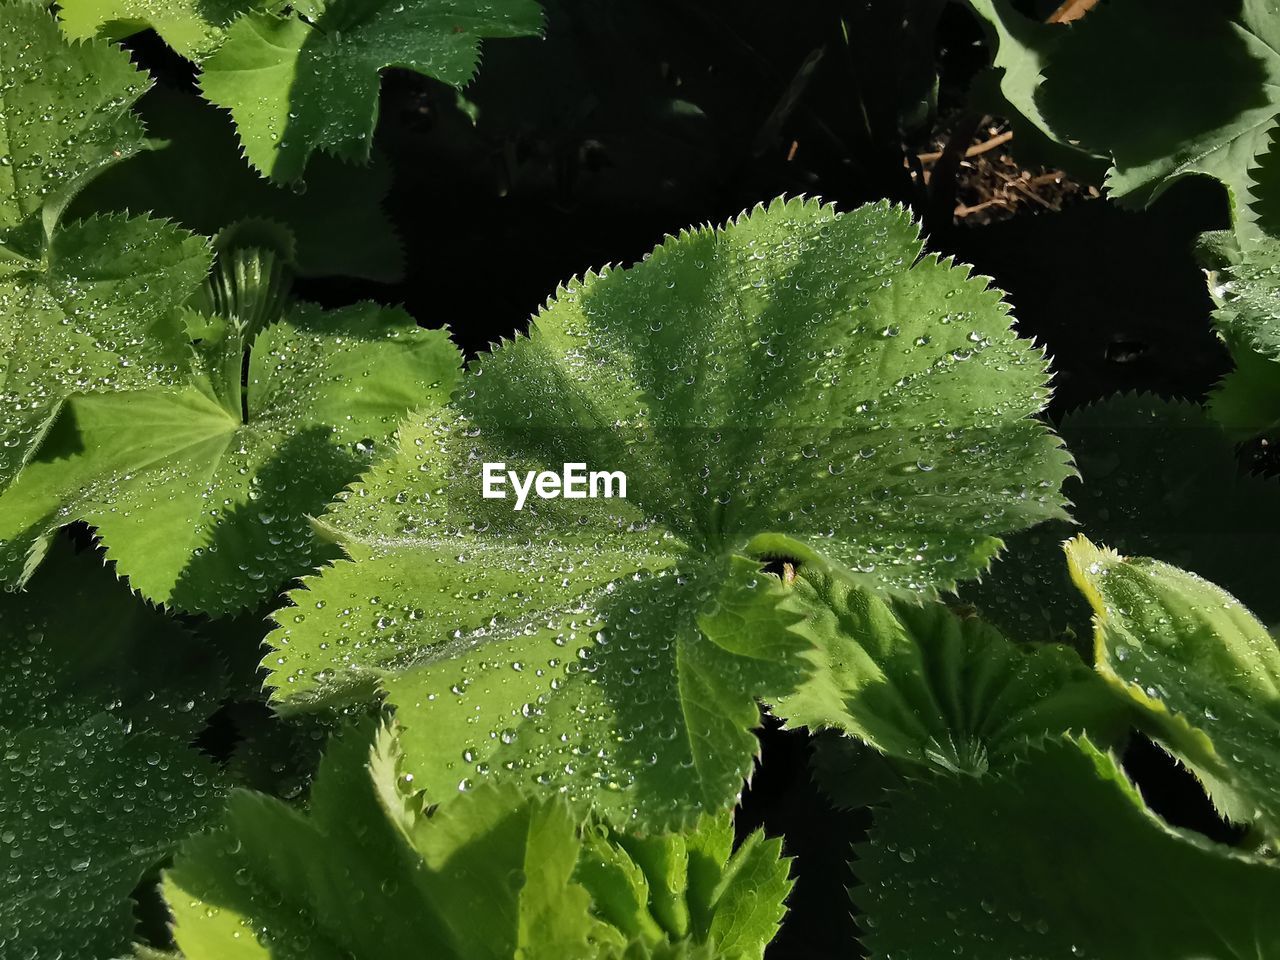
pixel 304 78
pixel 544 715
pixel 201 491
pixel 99 698
pixel 369 871
pixel 85 306
pixel 796 381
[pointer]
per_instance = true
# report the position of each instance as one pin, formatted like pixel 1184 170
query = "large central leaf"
pixel 796 380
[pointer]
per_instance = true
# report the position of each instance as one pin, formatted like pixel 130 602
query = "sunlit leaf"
pixel 798 380
pixel 308 81
pixel 86 307
pixel 192 27
pixel 922 684
pixel 202 493
pixel 688 887
pixel 64 117
pixel 1204 671
pixel 367 871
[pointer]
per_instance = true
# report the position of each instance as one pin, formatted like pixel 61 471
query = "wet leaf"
pixel 192 27
pixel 1204 672
pixel 1247 401
pixel 798 380
pixel 1250 312
pixel 97 318
pixel 146 670
pixel 202 493
pixel 309 81
pixel 924 685
pixel 64 117
pixel 85 307
pixel 368 872
pixel 97 783
pixel 1056 857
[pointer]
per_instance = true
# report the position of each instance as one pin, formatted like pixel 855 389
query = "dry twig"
pixel 1071 10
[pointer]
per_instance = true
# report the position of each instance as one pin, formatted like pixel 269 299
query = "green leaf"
pixel 309 81
pixel 1246 402
pixel 922 684
pixel 64 117
pixel 335 214
pixel 1250 311
pixel 87 307
pixel 1203 671
pixel 851 774
pixel 96 317
pixel 202 493
pixel 192 27
pixel 96 783
pixel 798 380
pixel 1157 478
pixel 364 873
pixel 688 887
pixel 1056 857
pixel 85 813
pixel 144 669
pixel 1120 86
pixel 1022 47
